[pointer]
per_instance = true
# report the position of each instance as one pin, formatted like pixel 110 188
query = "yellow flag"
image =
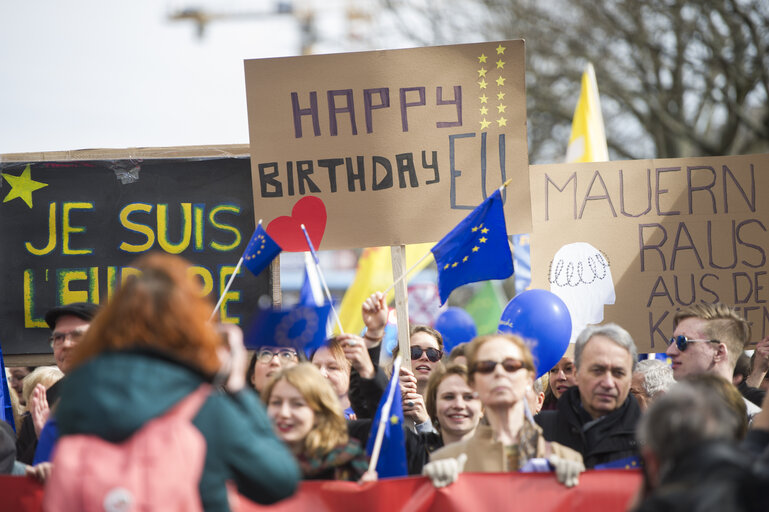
pixel 375 273
pixel 588 137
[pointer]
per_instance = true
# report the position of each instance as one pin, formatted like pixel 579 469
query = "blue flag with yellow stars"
pixel 476 249
pixel 632 462
pixel 6 408
pixel 300 328
pixel 260 251
pixel 392 455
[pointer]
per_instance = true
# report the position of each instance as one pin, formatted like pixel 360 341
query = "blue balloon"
pixel 543 320
pixel 456 326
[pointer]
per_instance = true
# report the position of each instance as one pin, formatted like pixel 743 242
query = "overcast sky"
pixel 113 74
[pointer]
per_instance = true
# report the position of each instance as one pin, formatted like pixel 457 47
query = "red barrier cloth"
pixel 20 494
pixel 607 491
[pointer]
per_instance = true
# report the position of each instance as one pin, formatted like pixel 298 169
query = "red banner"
pixel 607 491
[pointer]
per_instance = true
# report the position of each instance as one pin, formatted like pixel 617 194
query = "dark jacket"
pixel 713 477
pixel 610 438
pixel 755 395
pixel 116 393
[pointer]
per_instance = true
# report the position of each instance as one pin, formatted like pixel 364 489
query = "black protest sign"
pixel 70 230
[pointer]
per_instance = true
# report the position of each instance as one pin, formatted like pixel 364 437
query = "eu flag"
pixel 301 327
pixel 476 249
pixel 632 462
pixel 6 408
pixel 392 455
pixel 260 251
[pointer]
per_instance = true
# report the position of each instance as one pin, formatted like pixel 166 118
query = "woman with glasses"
pixel 501 371
pixel 268 361
pixel 426 354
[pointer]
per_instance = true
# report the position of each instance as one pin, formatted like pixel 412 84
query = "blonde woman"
pixel 306 414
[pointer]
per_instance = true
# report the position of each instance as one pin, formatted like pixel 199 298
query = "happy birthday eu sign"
pixel 387 147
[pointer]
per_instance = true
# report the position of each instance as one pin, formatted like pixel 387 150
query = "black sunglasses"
pixel 510 365
pixel 433 354
pixel 682 341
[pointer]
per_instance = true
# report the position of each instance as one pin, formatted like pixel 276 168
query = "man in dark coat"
pixel 68 325
pixel 598 416
pixel 691 457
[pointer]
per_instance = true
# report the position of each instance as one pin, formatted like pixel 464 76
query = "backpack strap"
pixel 189 406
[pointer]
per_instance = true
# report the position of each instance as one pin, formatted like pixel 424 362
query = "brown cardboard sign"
pixel 656 234
pixel 395 146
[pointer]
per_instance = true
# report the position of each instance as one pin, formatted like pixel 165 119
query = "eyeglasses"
pixel 682 341
pixel 285 355
pixel 510 365
pixel 58 338
pixel 433 354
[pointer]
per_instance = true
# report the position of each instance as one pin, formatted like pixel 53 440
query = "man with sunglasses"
pixel 598 416
pixel 708 338
pixel 68 325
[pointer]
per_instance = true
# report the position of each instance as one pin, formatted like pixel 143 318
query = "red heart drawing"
pixel 287 231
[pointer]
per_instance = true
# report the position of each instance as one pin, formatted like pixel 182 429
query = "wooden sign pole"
pixel 398 253
pixel 277 297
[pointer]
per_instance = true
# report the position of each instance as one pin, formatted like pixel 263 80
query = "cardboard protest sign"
pixel 70 227
pixel 386 147
pixel 656 234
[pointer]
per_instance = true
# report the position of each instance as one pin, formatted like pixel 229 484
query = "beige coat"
pixel 484 455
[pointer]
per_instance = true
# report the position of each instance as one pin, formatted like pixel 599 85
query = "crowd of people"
pixel 698 428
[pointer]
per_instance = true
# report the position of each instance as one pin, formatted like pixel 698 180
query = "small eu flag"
pixel 632 462
pixel 476 249
pixel 301 327
pixel 261 250
pixel 6 408
pixel 392 454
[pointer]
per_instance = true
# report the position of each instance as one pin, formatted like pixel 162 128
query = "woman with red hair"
pixel 151 347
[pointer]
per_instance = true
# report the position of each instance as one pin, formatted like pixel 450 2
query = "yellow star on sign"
pixel 482 239
pixel 476 248
pixel 501 108
pixel 500 50
pixel 484 111
pixel 464 259
pixel 500 95
pixel 483 98
pixel 502 121
pixel 482 72
pixel 501 81
pixel 500 64
pixel 22 186
pixel 394 419
pixel 482 84
pixel 482 59
pixel 485 230
pixel 485 124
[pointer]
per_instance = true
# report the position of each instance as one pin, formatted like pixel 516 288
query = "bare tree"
pixel 677 78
